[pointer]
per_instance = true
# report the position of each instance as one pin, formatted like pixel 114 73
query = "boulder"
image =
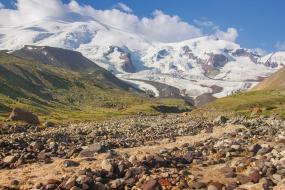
pixel 9 159
pixel 107 165
pixel 151 185
pixel 21 115
pixel 70 163
pixel 91 150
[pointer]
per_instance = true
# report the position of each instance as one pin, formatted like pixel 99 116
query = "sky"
pixel 251 23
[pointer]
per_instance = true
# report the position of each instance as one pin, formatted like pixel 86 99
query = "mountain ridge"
pixel 192 66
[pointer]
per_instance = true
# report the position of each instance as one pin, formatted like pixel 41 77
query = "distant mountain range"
pixel 203 68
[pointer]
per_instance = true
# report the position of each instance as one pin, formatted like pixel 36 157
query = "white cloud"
pixel 124 7
pixel 212 29
pixel 280 46
pixel 260 51
pixel 159 27
pixel 230 35
pixel 167 28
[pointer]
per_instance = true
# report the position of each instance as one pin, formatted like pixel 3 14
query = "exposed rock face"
pixel 21 115
pixel 127 62
pixel 125 57
pixel 243 53
pixel 204 99
pixel 161 54
pixel 55 56
pixel 214 64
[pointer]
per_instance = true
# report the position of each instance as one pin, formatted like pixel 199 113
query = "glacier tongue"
pixel 194 66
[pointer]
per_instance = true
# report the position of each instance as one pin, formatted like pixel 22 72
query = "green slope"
pixel 64 95
pixel 274 82
pixel 268 96
pixel 270 102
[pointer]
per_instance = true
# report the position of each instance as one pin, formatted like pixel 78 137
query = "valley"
pixel 161 95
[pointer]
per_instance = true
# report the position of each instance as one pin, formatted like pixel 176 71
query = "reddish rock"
pixel 164 182
pixel 243 179
pixel 254 176
pixel 256 111
pixel 151 185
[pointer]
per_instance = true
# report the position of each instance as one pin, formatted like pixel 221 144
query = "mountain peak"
pixel 193 66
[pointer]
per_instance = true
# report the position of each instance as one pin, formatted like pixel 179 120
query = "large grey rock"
pixel 91 150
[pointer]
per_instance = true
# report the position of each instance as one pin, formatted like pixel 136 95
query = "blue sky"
pixel 260 23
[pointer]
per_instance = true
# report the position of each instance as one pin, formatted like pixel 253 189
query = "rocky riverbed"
pixel 173 151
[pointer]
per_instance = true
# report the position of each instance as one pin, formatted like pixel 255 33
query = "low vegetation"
pixel 269 102
pixel 63 95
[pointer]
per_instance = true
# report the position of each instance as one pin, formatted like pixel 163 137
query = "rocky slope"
pixel 230 154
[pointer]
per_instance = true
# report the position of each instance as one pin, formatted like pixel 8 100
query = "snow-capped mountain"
pixel 204 65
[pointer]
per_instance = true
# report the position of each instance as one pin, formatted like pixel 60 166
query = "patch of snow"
pixel 142 86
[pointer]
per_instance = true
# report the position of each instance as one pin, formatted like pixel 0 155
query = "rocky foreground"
pixel 146 152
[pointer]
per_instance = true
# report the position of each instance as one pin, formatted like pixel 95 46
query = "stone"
pixel 254 148
pixel 256 111
pixel 254 176
pixel 91 150
pixel 198 185
pixel 236 147
pixel 107 165
pixel 69 183
pixel 75 188
pixel 44 157
pixel 70 163
pixel 277 177
pixel 15 184
pixel 114 184
pixel 243 179
pixel 100 186
pixel 151 185
pixel 83 179
pixel 280 186
pixel 215 186
pixel 18 114
pixel 132 159
pixel 37 145
pixel 10 159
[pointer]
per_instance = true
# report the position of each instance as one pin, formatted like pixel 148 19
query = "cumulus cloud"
pixel 260 51
pixel 124 7
pixel 164 28
pixel 280 46
pixel 159 26
pixel 230 35
pixel 214 30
